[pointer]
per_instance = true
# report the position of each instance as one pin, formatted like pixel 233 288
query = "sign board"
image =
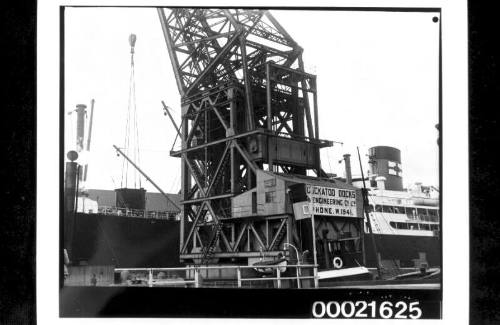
pixel 329 201
pixel 301 210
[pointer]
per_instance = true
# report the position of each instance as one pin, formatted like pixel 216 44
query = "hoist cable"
pixel 131 146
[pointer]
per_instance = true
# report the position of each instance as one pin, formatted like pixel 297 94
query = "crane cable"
pixel 131 123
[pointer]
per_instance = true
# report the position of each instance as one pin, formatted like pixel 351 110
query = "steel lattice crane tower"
pixel 249 129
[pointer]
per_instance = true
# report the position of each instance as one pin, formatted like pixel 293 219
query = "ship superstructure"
pixel 403 213
pixel 405 222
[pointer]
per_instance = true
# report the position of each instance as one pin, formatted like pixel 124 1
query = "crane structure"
pixel 249 135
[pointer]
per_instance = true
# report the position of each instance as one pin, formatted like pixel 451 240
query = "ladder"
pixel 209 250
pixel 279 238
pixel 197 172
pixel 221 172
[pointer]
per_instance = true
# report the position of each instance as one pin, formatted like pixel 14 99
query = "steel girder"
pixel 239 73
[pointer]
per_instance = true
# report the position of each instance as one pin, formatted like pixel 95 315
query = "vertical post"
pixel 248 238
pixel 185 177
pixel 73 224
pixel 288 228
pixel 362 235
pixel 316 122
pixel 268 96
pixel 248 89
pixel 297 267
pixel 297 271
pixel 267 233
pixel 70 193
pixel 310 131
pixel 196 277
pixel 206 140
pixel 231 96
pixel 315 274
pixel 314 251
pixel 315 101
pixel 367 216
pixel 77 189
pixel 249 176
pixel 234 171
pixel 150 278
pixel 238 274
pixel 278 277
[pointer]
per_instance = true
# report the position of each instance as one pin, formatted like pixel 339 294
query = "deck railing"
pixel 137 213
pixel 233 276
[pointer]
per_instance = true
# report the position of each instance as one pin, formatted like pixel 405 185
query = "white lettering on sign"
pixel 330 201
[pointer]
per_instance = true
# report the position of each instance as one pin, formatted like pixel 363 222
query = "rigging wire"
pixel 137 158
pixel 174 183
pixel 131 143
pixel 328 157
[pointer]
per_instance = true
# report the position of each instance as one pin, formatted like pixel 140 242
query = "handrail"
pixel 189 268
pixel 193 274
pixel 138 213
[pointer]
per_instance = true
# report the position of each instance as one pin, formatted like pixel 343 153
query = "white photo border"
pixel 455 196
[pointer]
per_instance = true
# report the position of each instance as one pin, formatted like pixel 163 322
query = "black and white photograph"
pixel 219 161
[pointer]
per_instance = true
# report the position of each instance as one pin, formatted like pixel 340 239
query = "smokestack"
pixel 386 161
pixel 348 173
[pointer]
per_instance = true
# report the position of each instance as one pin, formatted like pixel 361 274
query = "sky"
pixel 377 75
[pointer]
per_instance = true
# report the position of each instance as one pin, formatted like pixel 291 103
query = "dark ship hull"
pixel 125 242
pixel 404 251
pixel 129 242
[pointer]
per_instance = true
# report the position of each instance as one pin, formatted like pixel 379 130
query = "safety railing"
pixel 305 276
pixel 137 213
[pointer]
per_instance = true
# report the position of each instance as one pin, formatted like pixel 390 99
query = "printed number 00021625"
pixel 363 309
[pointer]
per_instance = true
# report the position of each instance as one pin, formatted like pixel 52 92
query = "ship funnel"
pixel 386 161
pixel 348 173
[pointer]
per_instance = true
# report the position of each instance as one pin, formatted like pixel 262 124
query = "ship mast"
pixel 89 136
pixel 367 216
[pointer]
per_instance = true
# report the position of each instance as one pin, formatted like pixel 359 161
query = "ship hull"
pixel 124 242
pixel 403 251
pixel 128 242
